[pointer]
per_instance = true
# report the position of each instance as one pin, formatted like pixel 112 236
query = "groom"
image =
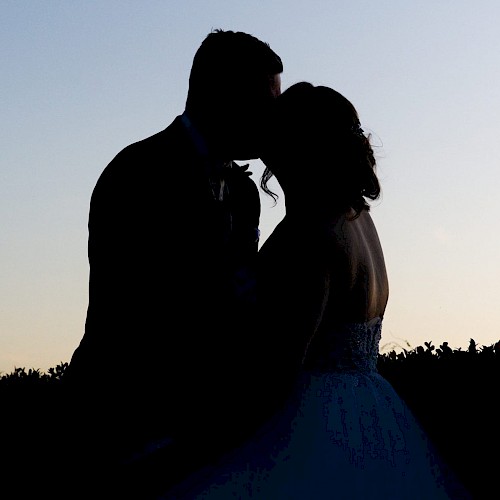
pixel 169 357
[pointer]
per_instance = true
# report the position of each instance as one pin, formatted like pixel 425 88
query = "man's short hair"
pixel 227 55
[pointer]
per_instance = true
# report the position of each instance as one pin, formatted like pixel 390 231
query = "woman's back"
pixel 358 286
pixel 332 272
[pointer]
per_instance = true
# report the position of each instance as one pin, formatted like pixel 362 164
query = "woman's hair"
pixel 321 129
pixel 226 56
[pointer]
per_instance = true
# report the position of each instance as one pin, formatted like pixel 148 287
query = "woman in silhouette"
pixel 343 431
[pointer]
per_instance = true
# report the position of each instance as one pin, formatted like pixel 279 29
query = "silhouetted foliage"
pixel 453 393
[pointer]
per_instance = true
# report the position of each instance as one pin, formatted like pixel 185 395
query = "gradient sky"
pixel 82 80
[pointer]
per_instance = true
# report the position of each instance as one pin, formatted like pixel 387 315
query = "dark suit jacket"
pixel 170 344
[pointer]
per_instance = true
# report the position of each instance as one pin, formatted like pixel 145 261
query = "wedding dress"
pixel 344 434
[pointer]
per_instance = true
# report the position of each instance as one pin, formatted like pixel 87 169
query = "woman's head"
pixel 318 145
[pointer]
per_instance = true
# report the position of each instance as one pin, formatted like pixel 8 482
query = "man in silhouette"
pixel 170 351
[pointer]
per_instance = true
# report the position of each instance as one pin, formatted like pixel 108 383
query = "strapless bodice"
pixel 345 347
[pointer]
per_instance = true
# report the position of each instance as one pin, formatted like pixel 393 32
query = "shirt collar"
pixel 214 167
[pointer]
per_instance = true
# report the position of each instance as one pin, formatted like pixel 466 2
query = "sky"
pixel 82 80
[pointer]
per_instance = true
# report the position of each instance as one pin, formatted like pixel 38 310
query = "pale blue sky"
pixel 81 80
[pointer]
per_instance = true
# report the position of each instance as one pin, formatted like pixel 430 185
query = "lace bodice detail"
pixel 347 347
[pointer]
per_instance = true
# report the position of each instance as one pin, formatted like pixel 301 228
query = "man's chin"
pixel 246 157
pixel 245 154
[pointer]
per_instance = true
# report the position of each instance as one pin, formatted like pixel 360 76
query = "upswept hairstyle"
pixel 323 128
pixel 227 55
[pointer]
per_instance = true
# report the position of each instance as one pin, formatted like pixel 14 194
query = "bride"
pixel 344 433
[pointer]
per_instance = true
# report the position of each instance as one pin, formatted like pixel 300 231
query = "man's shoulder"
pixel 158 148
pixel 138 161
pixel 169 136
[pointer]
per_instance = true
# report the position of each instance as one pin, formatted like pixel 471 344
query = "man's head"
pixel 233 82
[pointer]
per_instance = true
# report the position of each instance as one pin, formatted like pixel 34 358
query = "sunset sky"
pixel 82 80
